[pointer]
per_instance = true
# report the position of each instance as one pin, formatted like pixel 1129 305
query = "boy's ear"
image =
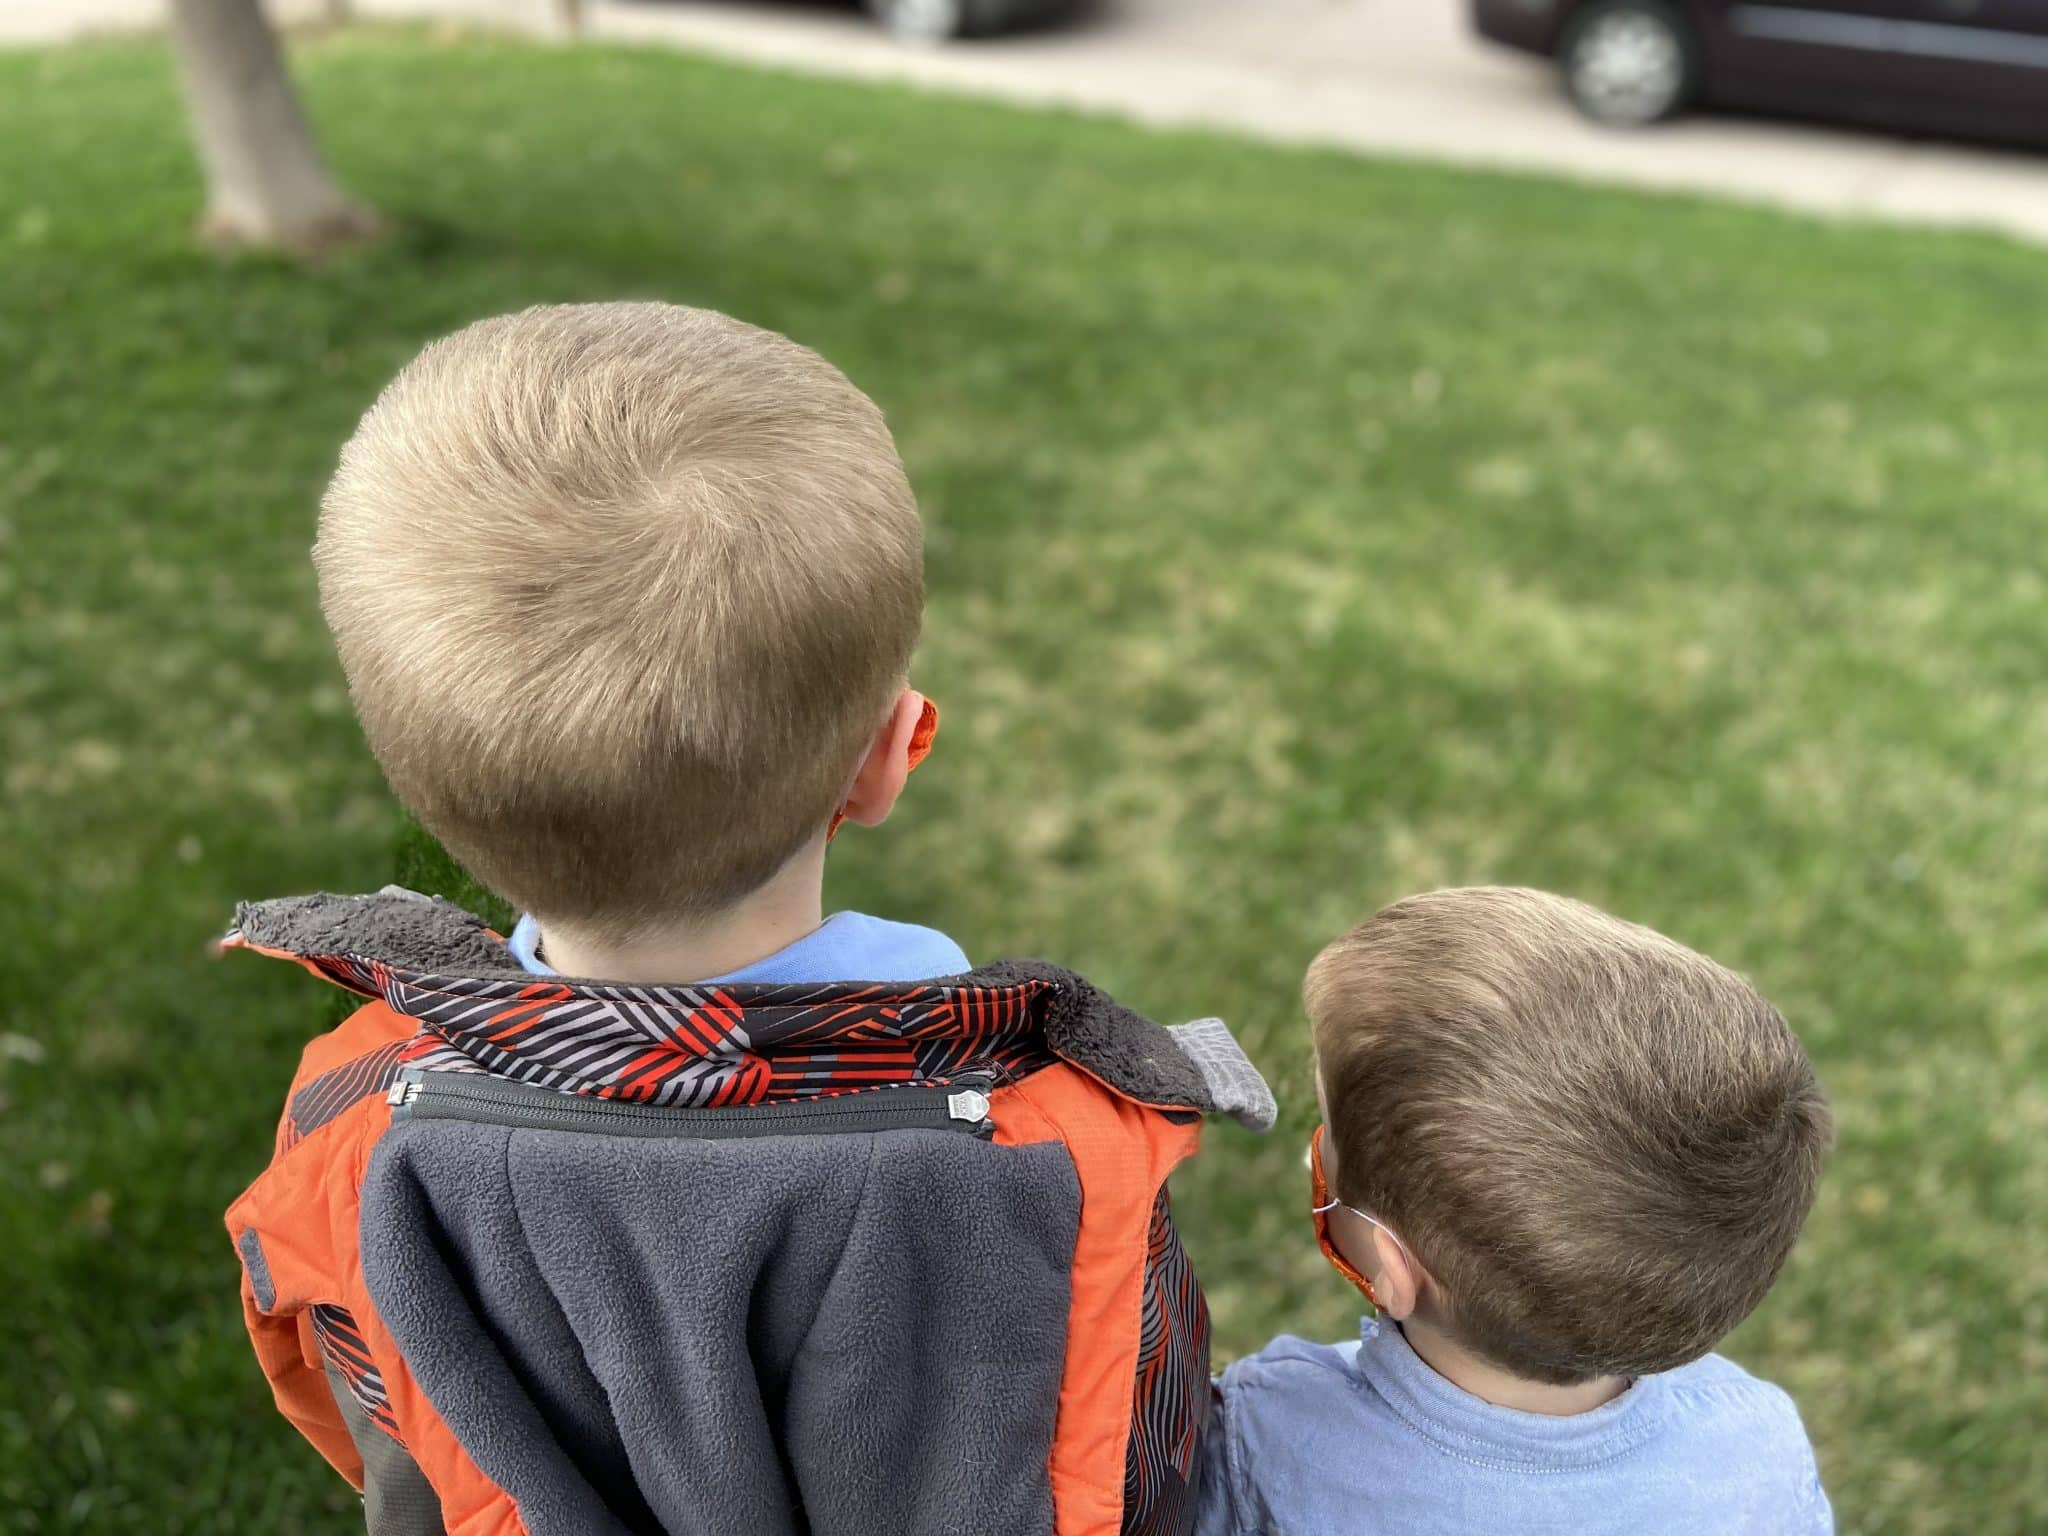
pixel 881 775
pixel 1397 1279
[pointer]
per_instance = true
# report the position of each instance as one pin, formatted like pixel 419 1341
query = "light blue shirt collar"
pixel 1459 1422
pixel 847 946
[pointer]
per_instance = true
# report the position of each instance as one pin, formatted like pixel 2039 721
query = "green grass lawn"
pixel 1303 531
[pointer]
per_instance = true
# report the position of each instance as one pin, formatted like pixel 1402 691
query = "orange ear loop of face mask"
pixel 1321 1203
pixel 920 748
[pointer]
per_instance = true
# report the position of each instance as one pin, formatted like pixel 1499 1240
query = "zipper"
pixel 962 1105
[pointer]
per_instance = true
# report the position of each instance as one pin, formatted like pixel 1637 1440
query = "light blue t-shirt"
pixel 1367 1440
pixel 847 946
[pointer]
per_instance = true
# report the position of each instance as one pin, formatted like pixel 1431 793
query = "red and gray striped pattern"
pixel 708 1046
pixel 691 1046
pixel 332 1092
pixel 342 1346
pixel 1172 1402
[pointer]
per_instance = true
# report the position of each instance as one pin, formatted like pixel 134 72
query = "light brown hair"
pixel 1600 1144
pixel 622 592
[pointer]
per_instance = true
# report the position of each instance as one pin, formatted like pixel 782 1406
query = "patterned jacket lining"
pixel 342 1346
pixel 1173 1388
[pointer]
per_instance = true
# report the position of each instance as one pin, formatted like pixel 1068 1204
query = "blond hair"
pixel 622 592
pixel 1600 1144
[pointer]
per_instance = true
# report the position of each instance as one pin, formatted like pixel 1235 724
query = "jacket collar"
pixel 738 1042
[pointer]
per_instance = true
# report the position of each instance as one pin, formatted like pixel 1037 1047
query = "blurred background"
pixel 1365 446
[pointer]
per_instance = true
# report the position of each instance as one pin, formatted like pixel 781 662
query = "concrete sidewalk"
pixel 1395 76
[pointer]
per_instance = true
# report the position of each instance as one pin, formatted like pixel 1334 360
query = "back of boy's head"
pixel 622 592
pixel 1599 1144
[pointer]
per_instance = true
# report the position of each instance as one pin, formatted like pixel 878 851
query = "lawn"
pixel 1303 531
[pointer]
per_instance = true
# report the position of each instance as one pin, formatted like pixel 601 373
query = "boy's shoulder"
pixel 1711 1396
pixel 1291 1364
pixel 1293 1392
pixel 1306 1427
pixel 1717 1399
pixel 338 1069
pixel 1709 1385
pixel 1727 1418
pixel 1717 1378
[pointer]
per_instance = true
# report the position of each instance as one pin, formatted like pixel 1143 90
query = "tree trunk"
pixel 266 184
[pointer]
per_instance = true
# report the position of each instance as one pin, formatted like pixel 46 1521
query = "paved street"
pixel 1398 76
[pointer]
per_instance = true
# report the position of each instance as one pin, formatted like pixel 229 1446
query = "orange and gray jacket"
pixel 850 1259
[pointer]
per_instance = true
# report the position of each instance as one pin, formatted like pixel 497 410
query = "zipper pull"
pixel 969 1104
pixel 406 1089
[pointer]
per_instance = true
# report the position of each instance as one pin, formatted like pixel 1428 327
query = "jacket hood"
pixel 713 1044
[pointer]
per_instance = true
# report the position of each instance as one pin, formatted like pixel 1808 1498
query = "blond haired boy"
pixel 1561 1156
pixel 689 1208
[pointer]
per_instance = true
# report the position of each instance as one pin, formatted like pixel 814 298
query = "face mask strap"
pixel 1322 1202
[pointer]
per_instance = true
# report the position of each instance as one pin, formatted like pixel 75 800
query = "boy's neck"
pixel 1461 1368
pixel 770 919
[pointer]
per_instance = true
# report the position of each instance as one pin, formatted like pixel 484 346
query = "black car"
pixel 932 21
pixel 1971 67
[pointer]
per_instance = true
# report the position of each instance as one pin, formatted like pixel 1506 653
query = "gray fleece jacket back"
pixel 845 1315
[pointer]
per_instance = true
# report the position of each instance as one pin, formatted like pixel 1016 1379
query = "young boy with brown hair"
pixel 691 1209
pixel 1561 1156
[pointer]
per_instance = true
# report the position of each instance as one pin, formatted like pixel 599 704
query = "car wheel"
pixel 1629 62
pixel 924 21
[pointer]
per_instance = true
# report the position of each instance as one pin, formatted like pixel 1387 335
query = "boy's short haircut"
pixel 1601 1144
pixel 622 592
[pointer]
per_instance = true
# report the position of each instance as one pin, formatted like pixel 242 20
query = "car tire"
pixel 1629 63
pixel 925 21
